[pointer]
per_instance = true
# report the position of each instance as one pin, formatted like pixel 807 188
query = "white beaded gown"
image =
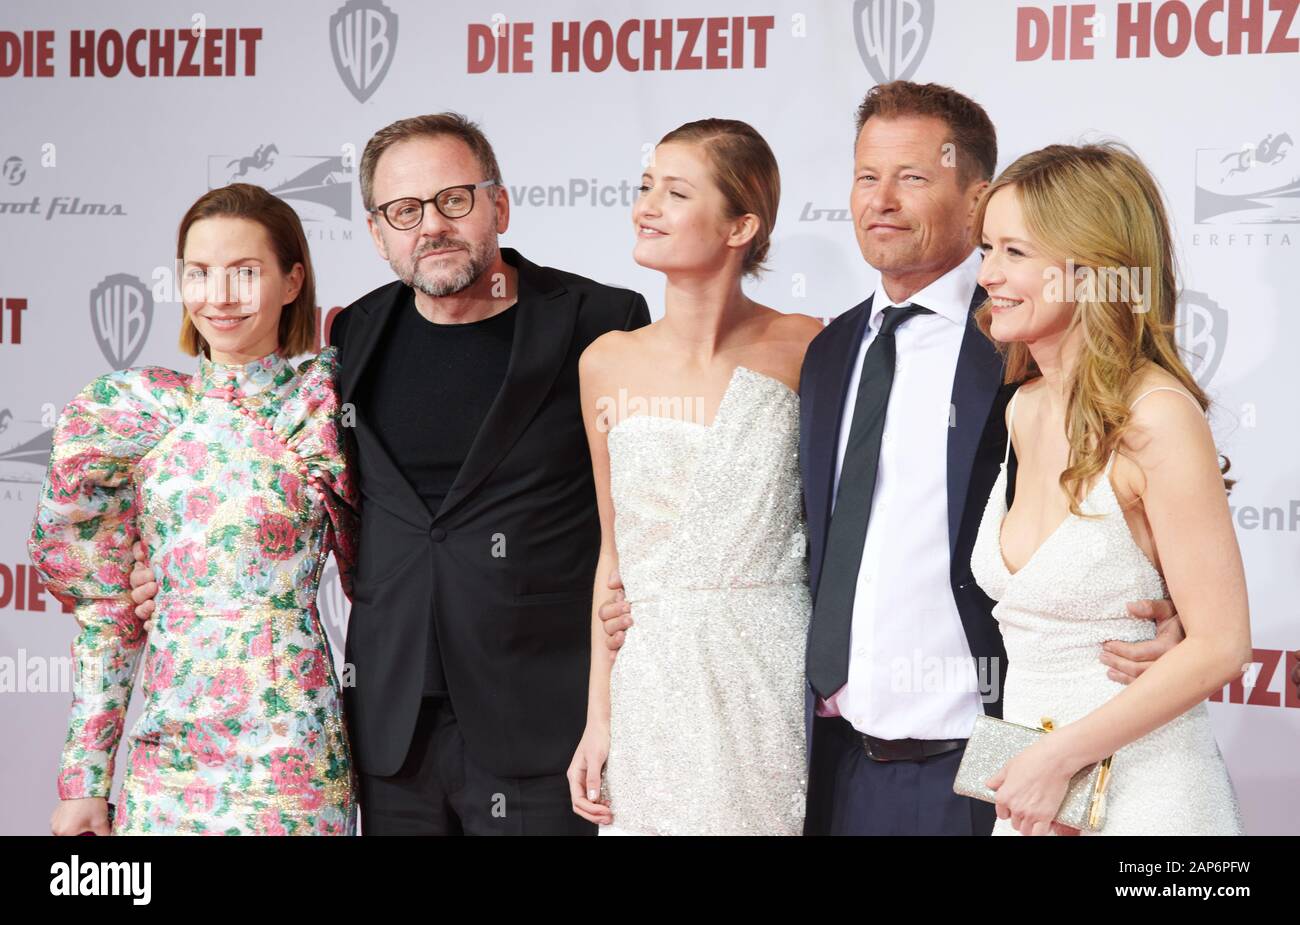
pixel 707 692
pixel 1054 613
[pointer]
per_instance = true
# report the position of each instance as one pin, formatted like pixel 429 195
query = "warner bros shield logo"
pixel 892 36
pixel 1201 333
pixel 363 37
pixel 121 313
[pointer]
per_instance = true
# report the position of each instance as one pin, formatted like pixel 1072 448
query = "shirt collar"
pixel 237 381
pixel 948 296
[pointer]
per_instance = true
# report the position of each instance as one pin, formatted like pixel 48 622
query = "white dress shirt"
pixel 910 670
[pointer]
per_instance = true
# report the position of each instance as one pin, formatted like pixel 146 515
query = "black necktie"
pixel 832 619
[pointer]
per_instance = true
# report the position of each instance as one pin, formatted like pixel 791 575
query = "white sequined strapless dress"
pixel 1054 613
pixel 707 693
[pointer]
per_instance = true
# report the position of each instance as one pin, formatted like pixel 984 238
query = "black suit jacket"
pixel 977 438
pixel 504 568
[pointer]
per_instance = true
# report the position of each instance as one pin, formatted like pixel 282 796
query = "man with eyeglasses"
pixel 471 618
pixel 471 614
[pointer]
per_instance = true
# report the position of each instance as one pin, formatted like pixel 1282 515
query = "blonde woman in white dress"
pixel 1119 496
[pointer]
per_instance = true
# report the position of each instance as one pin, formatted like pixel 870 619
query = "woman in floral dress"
pixel 236 481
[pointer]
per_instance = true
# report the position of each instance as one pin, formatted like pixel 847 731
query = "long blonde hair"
pixel 1098 206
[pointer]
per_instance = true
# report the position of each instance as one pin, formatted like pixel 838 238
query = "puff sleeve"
pixel 80 545
pixel 318 430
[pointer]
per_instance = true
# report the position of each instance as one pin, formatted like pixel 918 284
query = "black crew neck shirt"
pixel 429 389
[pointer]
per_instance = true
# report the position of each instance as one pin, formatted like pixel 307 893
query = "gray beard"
pixel 449 285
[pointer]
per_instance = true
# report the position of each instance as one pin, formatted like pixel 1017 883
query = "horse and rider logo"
pixel 1254 184
pixel 319 187
pixel 1268 151
pixel 263 156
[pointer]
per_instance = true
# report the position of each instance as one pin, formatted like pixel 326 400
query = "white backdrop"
pixel 114 118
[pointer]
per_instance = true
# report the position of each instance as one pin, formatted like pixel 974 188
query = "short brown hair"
pixel 744 168
pixel 970 130
pixel 284 231
pixel 432 126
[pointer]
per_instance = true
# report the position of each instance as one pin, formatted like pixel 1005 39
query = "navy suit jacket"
pixel 977 438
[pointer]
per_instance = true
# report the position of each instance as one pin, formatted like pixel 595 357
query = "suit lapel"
pixel 382 469
pixel 375 317
pixel 832 382
pixel 547 313
pixel 974 388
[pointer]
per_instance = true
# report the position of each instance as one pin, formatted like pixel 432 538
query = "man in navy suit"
pixel 902 430
pixel 902 433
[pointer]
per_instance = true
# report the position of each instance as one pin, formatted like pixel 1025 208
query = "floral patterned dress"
pixel 237 482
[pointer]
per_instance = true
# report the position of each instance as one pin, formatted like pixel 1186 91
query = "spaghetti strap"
pixel 1011 417
pixel 1131 404
pixel 1109 463
pixel 1168 388
pixel 1160 388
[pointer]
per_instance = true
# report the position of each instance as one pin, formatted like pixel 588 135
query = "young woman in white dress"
pixel 693 424
pixel 1119 496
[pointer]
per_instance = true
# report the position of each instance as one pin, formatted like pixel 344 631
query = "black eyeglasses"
pixel 453 202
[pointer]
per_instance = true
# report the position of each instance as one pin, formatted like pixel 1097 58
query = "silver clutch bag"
pixel 993 742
